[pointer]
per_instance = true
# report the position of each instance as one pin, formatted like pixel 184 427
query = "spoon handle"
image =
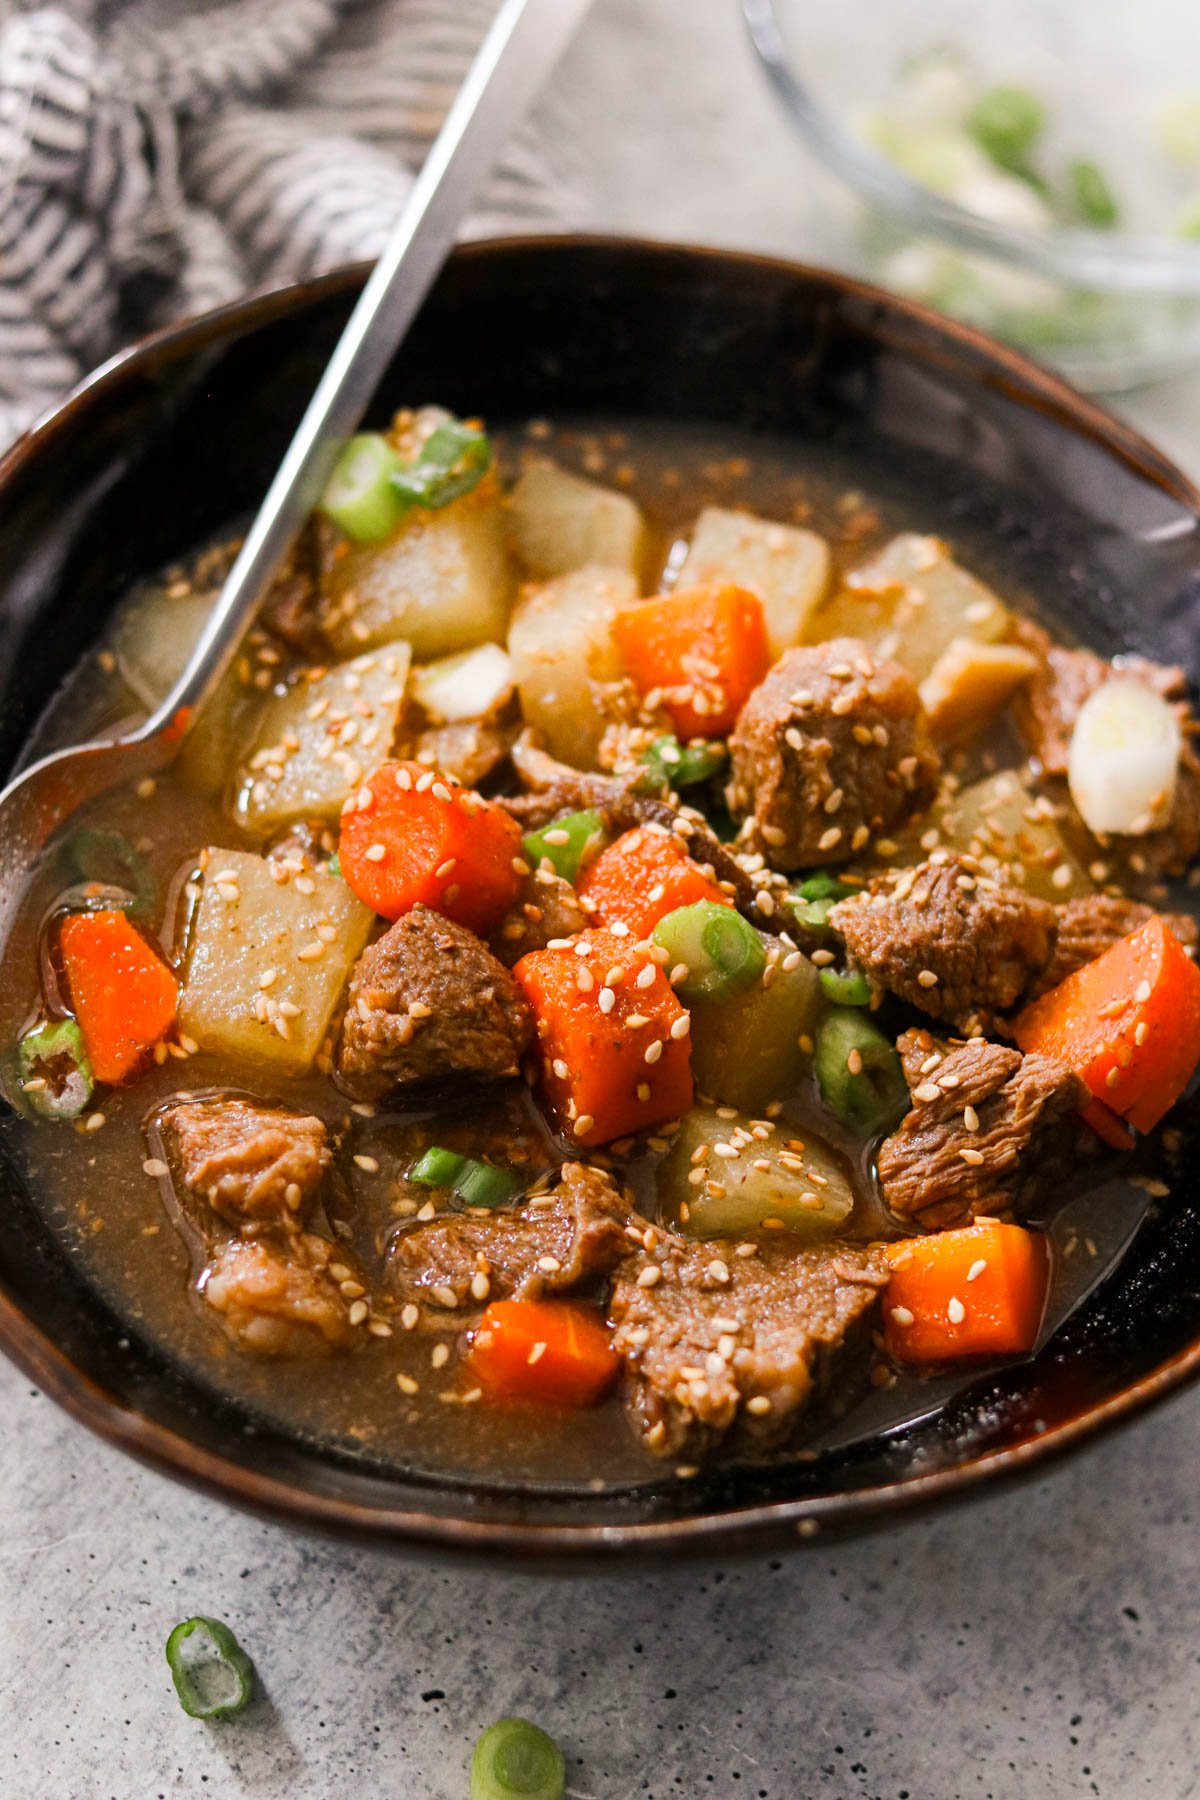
pixel 520 49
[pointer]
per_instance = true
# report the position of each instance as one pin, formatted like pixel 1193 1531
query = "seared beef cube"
pixel 947 939
pixel 1048 706
pixel 253 1165
pixel 553 1244
pixel 711 1339
pixel 830 749
pixel 989 1130
pixel 430 1000
pixel 1092 924
pixel 547 907
pixel 279 1300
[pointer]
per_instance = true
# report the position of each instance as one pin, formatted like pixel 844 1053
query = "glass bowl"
pixel 984 147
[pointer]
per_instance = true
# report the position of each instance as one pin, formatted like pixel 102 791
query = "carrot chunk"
pixel 612 1037
pixel 122 992
pixel 1128 1022
pixel 703 649
pixel 546 1351
pixel 409 836
pixel 980 1291
pixel 642 877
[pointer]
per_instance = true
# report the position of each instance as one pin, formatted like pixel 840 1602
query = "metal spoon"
pixel 518 53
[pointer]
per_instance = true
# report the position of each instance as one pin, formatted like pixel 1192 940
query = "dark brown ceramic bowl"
pixel 177 439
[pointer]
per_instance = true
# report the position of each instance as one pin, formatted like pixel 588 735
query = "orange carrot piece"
pixel 1128 1022
pixel 980 1291
pixel 703 649
pixel 546 1351
pixel 409 836
pixel 612 1038
pixel 642 877
pixel 122 993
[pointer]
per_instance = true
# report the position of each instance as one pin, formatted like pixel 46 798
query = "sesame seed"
pixel 444 1294
pixel 650 1276
pixel 560 1068
pixel 410 1317
pixel 956 1312
pixel 681 1027
pixel 536 1354
pixel 606 999
pixel 718 1271
pixel 927 978
pixel 406 1384
pixel 311 952
pixel 829 838
pixel 902 1315
pixel 481 1286
pixel 557 836
pixel 974 1157
pixel 375 852
pixel 970 1118
pixel 643 1090
pixel 444 870
pixel 95 1122
pixel 758 1405
pixel 653 1051
pixel 584 1124
pixel 645 977
pixel 1112 1078
pixel 368 1163
pixel 358 1312
pixel 1141 992
pixel 549 1265
pixel 155 1166
pixel 976 1269
pixel 440 1355
pixel 441 791
pixel 854 1062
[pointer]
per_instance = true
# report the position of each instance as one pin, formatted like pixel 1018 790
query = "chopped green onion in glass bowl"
pixel 1031 167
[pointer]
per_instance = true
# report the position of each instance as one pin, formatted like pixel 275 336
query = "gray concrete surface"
pixel 1038 1645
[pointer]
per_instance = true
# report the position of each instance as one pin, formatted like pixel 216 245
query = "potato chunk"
pixel 802 1187
pixel 566 661
pixel 910 602
pixel 316 742
pixel 561 522
pixel 969 683
pixel 1016 835
pixel 267 962
pixel 786 567
pixel 442 581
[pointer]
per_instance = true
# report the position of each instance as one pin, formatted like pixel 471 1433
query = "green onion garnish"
pixel 811 901
pixel 722 951
pixel 213 1676
pixel 1093 198
pixel 670 764
pixel 515 1760
pixel 859 1072
pixel 107 857
pixel 55 1074
pixel 565 842
pixel 1006 122
pixel 476 1183
pixel 845 987
pixel 453 459
pixel 359 496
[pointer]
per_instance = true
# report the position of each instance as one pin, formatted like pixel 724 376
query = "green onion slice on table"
pixel 213 1676
pixel 859 1072
pixel 670 764
pixel 722 952
pixel 565 842
pixel 515 1760
pixel 476 1183
pixel 54 1071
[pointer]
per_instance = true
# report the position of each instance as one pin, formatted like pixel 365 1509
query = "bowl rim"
pixel 796 1520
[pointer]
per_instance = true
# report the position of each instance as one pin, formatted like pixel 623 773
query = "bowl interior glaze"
pixel 179 438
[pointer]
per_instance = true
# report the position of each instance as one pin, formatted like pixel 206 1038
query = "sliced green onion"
pixel 55 1074
pixel 359 496
pixel 723 953
pixel 109 859
pixel 845 987
pixel 437 1167
pixel 811 902
pixel 476 1183
pixel 453 459
pixel 213 1676
pixel 859 1073
pixel 823 886
pixel 483 1184
pixel 670 764
pixel 515 1760
pixel 1092 196
pixel 1006 123
pixel 565 842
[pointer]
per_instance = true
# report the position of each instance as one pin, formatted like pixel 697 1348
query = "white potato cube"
pixel 267 962
pixel 910 602
pixel 442 581
pixel 786 567
pixel 566 661
pixel 316 742
pixel 466 686
pixel 562 522
pixel 155 635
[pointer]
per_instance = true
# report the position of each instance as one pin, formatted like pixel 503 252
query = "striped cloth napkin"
pixel 161 156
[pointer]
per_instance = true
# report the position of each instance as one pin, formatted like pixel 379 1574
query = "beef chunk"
pixel 1092 924
pixel 832 747
pixel 983 942
pixel 989 1130
pixel 279 1300
pixel 253 1165
pixel 470 749
pixel 430 1000
pixel 553 1244
pixel 1048 706
pixel 722 1341
pixel 546 908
